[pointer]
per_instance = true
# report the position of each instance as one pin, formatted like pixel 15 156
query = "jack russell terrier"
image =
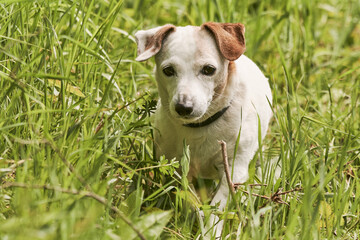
pixel 209 92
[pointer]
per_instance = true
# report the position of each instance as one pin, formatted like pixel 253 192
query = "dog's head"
pixel 192 64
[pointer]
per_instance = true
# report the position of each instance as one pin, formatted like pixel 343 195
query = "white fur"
pixel 247 92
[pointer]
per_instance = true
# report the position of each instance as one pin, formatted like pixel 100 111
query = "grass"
pixel 76 150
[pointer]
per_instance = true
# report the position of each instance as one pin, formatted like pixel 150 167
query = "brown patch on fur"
pixel 219 89
pixel 154 43
pixel 229 38
pixel 231 68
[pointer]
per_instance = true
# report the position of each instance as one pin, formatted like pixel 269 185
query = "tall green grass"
pixel 76 149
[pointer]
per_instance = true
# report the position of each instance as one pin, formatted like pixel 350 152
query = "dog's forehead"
pixel 192 40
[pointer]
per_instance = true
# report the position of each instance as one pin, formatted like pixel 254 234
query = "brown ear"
pixel 150 41
pixel 229 38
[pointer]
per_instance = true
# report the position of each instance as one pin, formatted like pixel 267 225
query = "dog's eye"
pixel 169 71
pixel 208 70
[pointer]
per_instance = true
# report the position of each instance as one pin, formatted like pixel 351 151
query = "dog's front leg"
pixel 214 225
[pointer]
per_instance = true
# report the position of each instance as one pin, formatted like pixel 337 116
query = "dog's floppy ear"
pixel 149 41
pixel 229 38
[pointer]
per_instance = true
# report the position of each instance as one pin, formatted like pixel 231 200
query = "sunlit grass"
pixel 76 152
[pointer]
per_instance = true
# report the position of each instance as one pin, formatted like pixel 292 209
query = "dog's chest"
pixel 205 157
pixel 205 151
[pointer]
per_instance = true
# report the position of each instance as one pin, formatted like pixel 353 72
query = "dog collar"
pixel 208 121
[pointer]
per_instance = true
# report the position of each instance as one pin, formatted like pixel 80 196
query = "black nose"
pixel 183 110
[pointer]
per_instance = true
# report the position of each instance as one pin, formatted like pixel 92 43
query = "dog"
pixel 209 92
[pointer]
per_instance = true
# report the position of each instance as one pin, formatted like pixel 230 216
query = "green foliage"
pixel 76 140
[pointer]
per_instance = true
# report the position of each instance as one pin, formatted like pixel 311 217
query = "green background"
pixel 76 150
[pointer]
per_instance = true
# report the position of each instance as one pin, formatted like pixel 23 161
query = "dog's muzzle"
pixel 184 109
pixel 184 106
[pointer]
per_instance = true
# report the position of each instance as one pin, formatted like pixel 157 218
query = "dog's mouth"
pixel 186 116
pixel 189 120
pixel 186 111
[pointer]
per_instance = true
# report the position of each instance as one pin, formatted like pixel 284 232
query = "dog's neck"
pixel 209 120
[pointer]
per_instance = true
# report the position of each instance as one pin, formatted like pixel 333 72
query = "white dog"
pixel 208 92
